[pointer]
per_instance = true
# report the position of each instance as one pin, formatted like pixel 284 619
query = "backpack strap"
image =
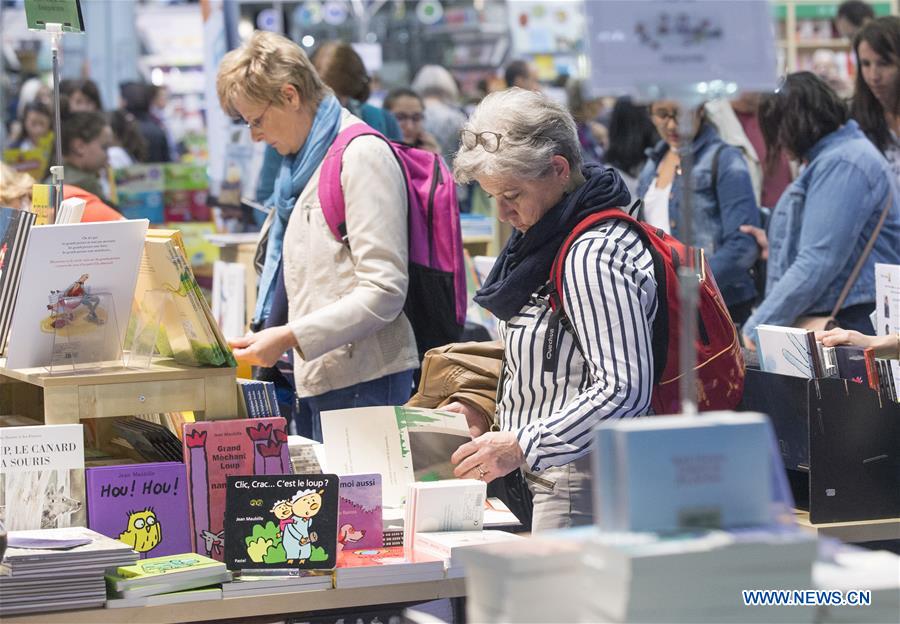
pixel 331 194
pixel 660 337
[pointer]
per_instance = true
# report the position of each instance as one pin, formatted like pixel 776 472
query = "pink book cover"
pixel 217 449
pixel 359 512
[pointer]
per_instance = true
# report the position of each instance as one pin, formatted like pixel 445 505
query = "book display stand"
pixel 144 333
pixel 839 442
pixel 85 334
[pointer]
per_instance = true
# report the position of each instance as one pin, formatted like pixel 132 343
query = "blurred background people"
pixel 723 201
pixel 129 146
pixel 408 108
pixel 584 110
pixel 825 218
pixel 851 17
pixel 137 97
pixel 85 138
pixel 443 117
pixel 81 96
pixel 37 125
pixel 631 134
pixel 876 103
pixel 521 74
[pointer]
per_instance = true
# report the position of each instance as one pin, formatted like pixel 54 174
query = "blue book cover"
pixel 693 472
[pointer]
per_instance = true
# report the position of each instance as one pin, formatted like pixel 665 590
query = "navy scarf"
pixel 524 264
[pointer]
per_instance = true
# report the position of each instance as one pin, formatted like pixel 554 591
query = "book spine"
pixel 273 398
pixel 872 369
pixel 816 360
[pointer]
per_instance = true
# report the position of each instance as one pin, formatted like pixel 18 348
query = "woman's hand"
pixel 265 347
pixel 488 456
pixel 884 346
pixel 762 241
pixel 749 344
pixel 476 419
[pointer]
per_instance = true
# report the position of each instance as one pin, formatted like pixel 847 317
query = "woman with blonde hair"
pixel 336 306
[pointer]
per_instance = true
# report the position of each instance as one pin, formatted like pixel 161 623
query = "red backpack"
pixel 436 296
pixel 720 366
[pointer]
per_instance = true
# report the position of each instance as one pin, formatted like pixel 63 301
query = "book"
pixel 157 571
pixel 789 351
pixel 42 477
pixel 402 444
pixel 65 270
pixel 456 505
pixel 887 308
pixel 676 473
pixel 187 330
pixel 163 585
pixel 229 296
pixel 15 226
pixel 257 585
pixel 307 456
pixel 215 450
pixel 448 544
pixel 256 398
pixel 384 566
pixel 857 364
pixel 43 203
pixel 178 597
pixel 150 441
pixel 142 505
pixel 286 521
pixel 71 210
pixel 359 513
pixel 139 191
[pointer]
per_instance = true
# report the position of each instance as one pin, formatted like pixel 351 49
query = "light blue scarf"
pixel 296 170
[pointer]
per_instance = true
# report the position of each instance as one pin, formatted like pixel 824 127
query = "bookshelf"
pixel 117 391
pixel 253 606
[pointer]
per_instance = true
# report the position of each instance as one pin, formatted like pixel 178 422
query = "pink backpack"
pixel 436 299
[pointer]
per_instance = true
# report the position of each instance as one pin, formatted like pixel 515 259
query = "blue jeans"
pixel 392 389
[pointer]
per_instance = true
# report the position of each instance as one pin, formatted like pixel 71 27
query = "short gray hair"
pixel 435 81
pixel 534 129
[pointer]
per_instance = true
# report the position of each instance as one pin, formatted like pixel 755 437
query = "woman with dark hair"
pixel 138 97
pixel 876 103
pixel 82 96
pixel 37 124
pixel 631 134
pixel 129 146
pixel 723 201
pixel 825 218
pixel 408 108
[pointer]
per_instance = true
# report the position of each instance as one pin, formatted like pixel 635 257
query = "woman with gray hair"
pixel 523 149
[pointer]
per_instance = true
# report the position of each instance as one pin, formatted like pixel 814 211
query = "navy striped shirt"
pixel 610 298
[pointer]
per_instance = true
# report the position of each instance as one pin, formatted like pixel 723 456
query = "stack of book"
pixel 384 566
pixel 258 399
pixel 166 580
pixel 250 584
pixel 530 580
pixel 152 442
pixel 631 575
pixel 15 226
pixel 448 545
pixel 854 569
pixel 794 352
pixel 57 569
pixel 456 505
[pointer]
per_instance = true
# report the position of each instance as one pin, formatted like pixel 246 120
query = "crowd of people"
pixel 790 190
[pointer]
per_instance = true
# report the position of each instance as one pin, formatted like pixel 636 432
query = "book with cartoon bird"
pixel 143 505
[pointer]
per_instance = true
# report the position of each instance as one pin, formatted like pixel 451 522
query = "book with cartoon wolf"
pixel 286 521
pixel 143 505
pixel 41 477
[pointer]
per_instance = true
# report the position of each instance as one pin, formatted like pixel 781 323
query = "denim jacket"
pixel 721 206
pixel 821 225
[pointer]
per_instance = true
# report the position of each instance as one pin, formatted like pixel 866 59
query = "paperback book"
pixel 15 226
pixel 286 521
pixel 359 517
pixel 42 477
pixel 66 271
pixel 215 450
pixel 789 351
pixel 142 505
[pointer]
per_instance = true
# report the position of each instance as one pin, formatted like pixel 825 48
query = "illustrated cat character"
pixel 144 532
pixel 57 505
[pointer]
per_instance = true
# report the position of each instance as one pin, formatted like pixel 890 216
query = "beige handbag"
pixel 822 323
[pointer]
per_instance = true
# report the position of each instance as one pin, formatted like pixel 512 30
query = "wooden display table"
pixel 273 604
pixel 117 391
pixel 853 532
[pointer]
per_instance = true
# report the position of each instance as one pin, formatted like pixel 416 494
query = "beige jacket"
pixel 345 304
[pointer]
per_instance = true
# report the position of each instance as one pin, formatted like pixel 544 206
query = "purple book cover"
pixel 217 449
pixel 143 505
pixel 359 512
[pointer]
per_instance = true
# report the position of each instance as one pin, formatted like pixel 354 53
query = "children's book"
pixel 139 191
pixel 402 444
pixel 287 521
pixel 66 272
pixel 359 516
pixel 217 449
pixel 160 570
pixel 15 226
pixel 385 566
pixel 143 505
pixel 42 477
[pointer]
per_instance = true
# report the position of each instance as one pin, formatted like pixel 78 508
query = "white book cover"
pixel 448 544
pixel 786 351
pixel 228 297
pixel 402 444
pixel 63 263
pixel 887 307
pixel 42 477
